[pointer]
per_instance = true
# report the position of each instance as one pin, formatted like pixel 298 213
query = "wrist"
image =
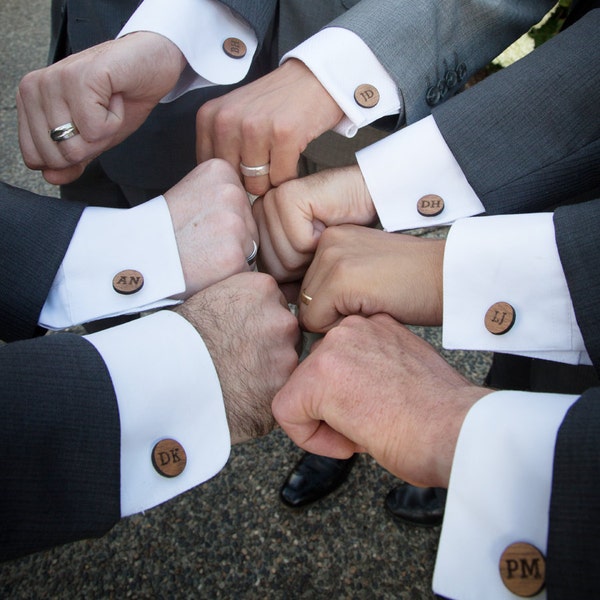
pixel 320 101
pixel 460 403
pixel 161 54
pixel 439 247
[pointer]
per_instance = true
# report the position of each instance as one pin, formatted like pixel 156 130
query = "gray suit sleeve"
pixel 431 48
pixel 259 15
pixel 528 137
pixel 35 234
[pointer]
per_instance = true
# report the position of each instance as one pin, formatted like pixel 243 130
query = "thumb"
pixel 101 117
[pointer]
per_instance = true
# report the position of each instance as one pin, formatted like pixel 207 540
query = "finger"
pixel 326 441
pixel 296 217
pixel 63 176
pixel 284 162
pixel 257 185
pixel 293 261
pixel 293 412
pixel 204 145
pixel 226 139
pixel 291 291
pixel 267 258
pixel 31 156
pixel 317 309
pixel 283 262
pixel 100 124
pixel 255 156
pixel 41 150
pixel 251 223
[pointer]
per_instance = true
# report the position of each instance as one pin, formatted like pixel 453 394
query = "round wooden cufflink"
pixel 366 95
pixel 169 458
pixel 128 281
pixel 234 48
pixel 523 569
pixel 430 205
pixel 499 318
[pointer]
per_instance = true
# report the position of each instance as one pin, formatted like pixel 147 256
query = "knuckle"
pixel 219 169
pixel 75 155
pixel 331 237
pixel 284 131
pixel 231 194
pixel 329 252
pixel 252 127
pixel 235 226
pixel 28 84
pixel 224 122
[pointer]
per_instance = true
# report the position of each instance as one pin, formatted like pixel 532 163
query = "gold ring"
pixel 254 171
pixel 305 298
pixel 63 132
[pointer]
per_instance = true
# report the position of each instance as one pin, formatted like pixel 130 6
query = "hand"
pixel 269 120
pixel 107 91
pixel 372 385
pixel 292 217
pixel 357 270
pixel 252 337
pixel 213 224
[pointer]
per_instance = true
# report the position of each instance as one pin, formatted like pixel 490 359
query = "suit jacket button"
pixel 234 48
pixel 461 71
pixel 451 78
pixel 433 95
pixel 499 318
pixel 523 569
pixel 442 87
pixel 366 95
pixel 128 282
pixel 169 458
pixel 430 205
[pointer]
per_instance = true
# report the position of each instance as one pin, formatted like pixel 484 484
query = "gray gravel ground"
pixel 230 538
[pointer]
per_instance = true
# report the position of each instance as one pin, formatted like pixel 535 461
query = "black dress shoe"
pixel 313 478
pixel 417 505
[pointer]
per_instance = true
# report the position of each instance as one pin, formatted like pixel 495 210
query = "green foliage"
pixel 552 25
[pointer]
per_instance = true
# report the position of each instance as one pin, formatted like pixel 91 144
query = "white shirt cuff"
pixel 106 242
pixel 412 163
pixel 499 491
pixel 342 62
pixel 198 28
pixel 166 388
pixel 513 259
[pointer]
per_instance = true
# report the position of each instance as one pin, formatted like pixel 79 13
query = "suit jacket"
pixel 60 424
pixel 455 40
pixel 515 160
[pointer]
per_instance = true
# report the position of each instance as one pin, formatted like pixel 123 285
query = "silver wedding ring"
pixel 252 256
pixel 63 132
pixel 254 171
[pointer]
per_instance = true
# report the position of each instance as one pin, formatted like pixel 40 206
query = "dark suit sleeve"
pixel 576 231
pixel 35 234
pixel 60 444
pixel 527 137
pixel 60 429
pixel 573 554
